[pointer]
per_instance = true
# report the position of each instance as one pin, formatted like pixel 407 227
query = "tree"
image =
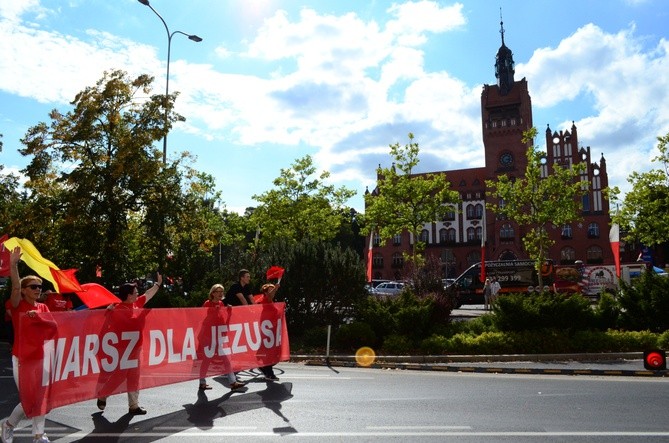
pixel 11 201
pixel 536 201
pixel 644 211
pixel 301 205
pixel 406 201
pixel 96 171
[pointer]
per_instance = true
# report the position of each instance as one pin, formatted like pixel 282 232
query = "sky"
pixel 275 80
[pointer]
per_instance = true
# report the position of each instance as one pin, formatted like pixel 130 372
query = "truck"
pixel 514 276
pixel 520 276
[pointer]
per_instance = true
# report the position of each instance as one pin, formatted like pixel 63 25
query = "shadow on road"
pixel 200 414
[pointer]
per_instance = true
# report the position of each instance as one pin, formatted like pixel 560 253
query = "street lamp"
pixel 192 37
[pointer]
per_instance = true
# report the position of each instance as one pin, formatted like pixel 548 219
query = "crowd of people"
pixel 28 298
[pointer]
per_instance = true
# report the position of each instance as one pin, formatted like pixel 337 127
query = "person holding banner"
pixel 130 299
pixel 215 301
pixel 266 296
pixel 239 293
pixel 25 292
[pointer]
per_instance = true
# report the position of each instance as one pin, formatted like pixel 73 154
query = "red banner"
pixel 68 357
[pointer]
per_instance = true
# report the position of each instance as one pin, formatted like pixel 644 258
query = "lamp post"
pixel 192 37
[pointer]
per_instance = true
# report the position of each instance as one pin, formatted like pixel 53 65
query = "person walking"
pixel 239 293
pixel 267 292
pixel 494 290
pixel 23 301
pixel 131 300
pixel 215 301
pixel 487 293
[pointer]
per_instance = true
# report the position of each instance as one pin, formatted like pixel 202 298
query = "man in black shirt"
pixel 240 293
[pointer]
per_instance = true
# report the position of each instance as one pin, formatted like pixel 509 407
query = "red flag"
pixel 94 295
pixel 4 257
pixel 614 238
pixel 275 272
pixel 483 235
pixel 370 257
pixel 65 280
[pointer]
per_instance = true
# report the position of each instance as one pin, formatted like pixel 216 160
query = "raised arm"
pixel 14 257
pixel 154 289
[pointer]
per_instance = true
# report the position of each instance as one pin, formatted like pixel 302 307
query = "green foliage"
pixel 644 211
pixel 606 312
pixel 300 206
pixel 321 285
pixel 355 335
pixel 522 312
pixel 535 202
pixel 395 344
pixel 406 201
pixel 644 303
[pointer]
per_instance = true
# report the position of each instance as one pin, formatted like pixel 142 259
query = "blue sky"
pixel 274 80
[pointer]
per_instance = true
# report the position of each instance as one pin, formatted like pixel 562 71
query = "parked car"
pixel 447 282
pixel 388 288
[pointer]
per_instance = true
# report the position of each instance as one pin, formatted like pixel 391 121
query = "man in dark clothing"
pixel 240 293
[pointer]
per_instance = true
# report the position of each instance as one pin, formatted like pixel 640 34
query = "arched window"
pixel 451 235
pixel 450 215
pixel 447 256
pixel 424 236
pixel 506 232
pixel 471 212
pixel 593 230
pixel 471 234
pixel 567 232
pixel 594 255
pixel 567 255
pixel 397 239
pixel 508 255
pixel 478 211
pixel 443 235
pixel 479 233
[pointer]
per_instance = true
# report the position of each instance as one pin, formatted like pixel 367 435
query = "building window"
pixel 397 239
pixel 471 234
pixel 594 255
pixel 593 230
pixel 506 232
pixel 443 235
pixel 567 256
pixel 377 261
pixel 424 236
pixel 567 232
pixel 377 239
pixel 450 235
pixel 586 203
pixel 478 211
pixel 450 215
pixel 398 260
pixel 473 258
pixel 479 233
pixel 470 212
pixel 447 256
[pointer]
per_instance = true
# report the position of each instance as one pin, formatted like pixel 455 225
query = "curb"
pixel 444 363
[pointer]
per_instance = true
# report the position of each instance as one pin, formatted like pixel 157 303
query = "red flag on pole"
pixel 483 235
pixel 614 238
pixel 94 295
pixel 275 272
pixel 369 257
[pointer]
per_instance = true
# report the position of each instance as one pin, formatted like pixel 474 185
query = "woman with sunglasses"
pixel 25 292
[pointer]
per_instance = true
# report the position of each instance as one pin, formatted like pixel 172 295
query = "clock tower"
pixel 506 112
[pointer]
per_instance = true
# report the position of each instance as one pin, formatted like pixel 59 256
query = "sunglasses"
pixel 33 287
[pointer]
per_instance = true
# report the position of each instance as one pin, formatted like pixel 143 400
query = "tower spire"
pixel 504 66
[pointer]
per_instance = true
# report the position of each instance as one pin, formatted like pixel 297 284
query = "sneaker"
pixel 7 433
pixel 137 411
pixel 42 439
pixel 272 378
pixel 204 387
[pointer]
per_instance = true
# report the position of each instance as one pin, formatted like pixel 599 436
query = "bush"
pixel 644 304
pixel 355 335
pixel 522 312
pixel 397 345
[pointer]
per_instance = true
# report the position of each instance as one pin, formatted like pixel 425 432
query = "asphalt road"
pixel 321 403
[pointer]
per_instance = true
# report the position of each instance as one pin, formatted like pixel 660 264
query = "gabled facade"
pixel 506 112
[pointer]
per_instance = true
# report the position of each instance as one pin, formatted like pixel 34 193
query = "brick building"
pixel 506 112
